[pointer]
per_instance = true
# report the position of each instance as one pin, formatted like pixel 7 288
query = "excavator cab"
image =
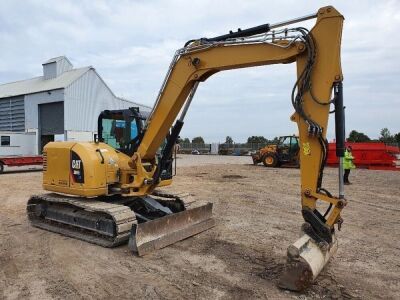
pixel 288 149
pixel 121 129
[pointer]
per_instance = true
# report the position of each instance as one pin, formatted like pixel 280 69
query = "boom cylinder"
pixel 167 151
pixel 340 133
pixel 339 120
pixel 259 29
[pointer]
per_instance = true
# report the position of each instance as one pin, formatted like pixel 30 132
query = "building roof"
pixel 56 59
pixel 38 84
pixel 134 103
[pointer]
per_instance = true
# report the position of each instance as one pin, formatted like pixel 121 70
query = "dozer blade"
pixel 159 233
pixel 305 261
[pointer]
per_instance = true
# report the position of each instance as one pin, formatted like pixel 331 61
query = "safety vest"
pixel 348 160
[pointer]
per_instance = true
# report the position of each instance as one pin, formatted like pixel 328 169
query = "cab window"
pixel 286 142
pixel 118 133
pixel 294 142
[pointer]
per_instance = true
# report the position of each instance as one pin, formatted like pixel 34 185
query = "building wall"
pixel 50 70
pixel 85 99
pixel 79 136
pixel 23 143
pixel 26 143
pixel 63 65
pixel 31 106
pixel 56 68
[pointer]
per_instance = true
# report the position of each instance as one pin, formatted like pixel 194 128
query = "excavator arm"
pixel 317 55
pixel 319 84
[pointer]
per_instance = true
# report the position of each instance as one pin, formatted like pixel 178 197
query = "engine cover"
pixel 81 168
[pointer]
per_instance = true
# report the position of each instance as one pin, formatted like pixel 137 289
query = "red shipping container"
pixel 373 155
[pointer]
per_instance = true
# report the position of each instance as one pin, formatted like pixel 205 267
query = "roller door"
pixel 51 118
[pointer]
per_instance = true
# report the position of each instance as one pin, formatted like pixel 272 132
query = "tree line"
pixel 354 136
pixel 229 140
pixel 385 137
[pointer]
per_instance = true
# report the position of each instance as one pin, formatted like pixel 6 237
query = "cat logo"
pixel 76 164
pixel 77 168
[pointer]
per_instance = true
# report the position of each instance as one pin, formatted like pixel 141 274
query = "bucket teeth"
pixel 305 260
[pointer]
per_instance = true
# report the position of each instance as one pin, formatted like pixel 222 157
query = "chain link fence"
pixel 221 148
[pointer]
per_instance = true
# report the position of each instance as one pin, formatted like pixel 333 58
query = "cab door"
pixel 284 148
pixel 294 148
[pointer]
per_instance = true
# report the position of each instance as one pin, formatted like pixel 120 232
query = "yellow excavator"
pixel 105 191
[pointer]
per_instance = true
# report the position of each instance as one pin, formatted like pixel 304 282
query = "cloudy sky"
pixel 131 43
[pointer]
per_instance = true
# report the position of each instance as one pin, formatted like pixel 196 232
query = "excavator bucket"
pixel 305 260
pixel 159 233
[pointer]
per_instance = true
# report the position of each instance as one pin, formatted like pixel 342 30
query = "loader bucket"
pixel 304 262
pixel 159 233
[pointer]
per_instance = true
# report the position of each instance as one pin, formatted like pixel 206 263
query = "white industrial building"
pixel 63 104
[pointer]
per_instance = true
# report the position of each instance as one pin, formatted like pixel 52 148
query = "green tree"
pixel 358 137
pixel 198 140
pixel 257 140
pixel 386 136
pixel 275 140
pixel 397 138
pixel 228 140
pixel 186 141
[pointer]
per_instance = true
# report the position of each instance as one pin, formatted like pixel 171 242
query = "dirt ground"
pixel 258 216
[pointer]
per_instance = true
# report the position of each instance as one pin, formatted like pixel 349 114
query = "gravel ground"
pixel 203 160
pixel 258 216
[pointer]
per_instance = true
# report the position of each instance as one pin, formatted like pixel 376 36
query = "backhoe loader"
pixel 105 192
pixel 284 153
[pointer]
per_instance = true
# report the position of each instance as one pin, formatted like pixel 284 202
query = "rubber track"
pixel 122 215
pixel 186 198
